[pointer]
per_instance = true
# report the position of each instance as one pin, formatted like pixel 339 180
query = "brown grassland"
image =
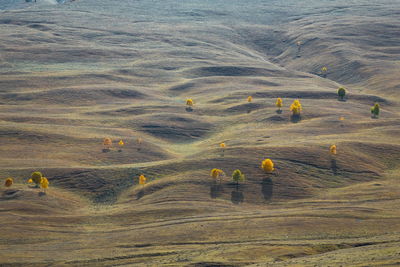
pixel 74 73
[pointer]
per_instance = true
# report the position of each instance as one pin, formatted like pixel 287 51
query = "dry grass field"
pixel 74 73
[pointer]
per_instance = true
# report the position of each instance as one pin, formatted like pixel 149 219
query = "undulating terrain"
pixel 74 73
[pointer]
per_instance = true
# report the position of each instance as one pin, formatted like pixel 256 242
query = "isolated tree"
pixel 121 145
pixel 296 108
pixel 267 165
pixel 142 179
pixel 44 184
pixel 341 93
pixel 37 178
pixel 8 182
pixel 332 149
pixel 222 145
pixel 279 103
pixel 189 102
pixel 107 142
pixel 324 71
pixel 375 110
pixel 238 176
pixel 249 98
pixel 216 173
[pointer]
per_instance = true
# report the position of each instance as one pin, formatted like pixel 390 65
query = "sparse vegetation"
pixel 8 182
pixel 341 93
pixel 238 176
pixel 375 110
pixel 267 165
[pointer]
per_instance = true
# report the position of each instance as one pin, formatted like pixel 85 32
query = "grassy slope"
pixel 68 83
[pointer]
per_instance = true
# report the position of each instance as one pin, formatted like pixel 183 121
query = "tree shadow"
pixel 105 150
pixel 41 194
pixel 119 150
pixel 279 111
pixel 267 188
pixel 334 166
pixel 215 189
pixel 237 196
pixel 140 194
pixel 342 99
pixel 295 118
pixel 189 109
pixel 248 110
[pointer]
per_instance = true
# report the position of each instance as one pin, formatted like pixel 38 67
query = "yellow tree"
pixel 121 145
pixel 249 98
pixel 142 179
pixel 44 184
pixel 8 182
pixel 296 108
pixel 324 70
pixel 189 102
pixel 222 146
pixel 332 149
pixel 216 173
pixel 279 103
pixel 267 165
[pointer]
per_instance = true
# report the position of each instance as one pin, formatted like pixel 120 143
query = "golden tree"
pixel 121 145
pixel 332 149
pixel 216 173
pixel 37 178
pixel 142 179
pixel 267 165
pixel 249 98
pixel 44 184
pixel 296 107
pixel 8 182
pixel 324 70
pixel 189 102
pixel 279 103
pixel 222 145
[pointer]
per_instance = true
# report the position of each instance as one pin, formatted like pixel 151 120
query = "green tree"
pixel 341 93
pixel 375 110
pixel 238 176
pixel 37 178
